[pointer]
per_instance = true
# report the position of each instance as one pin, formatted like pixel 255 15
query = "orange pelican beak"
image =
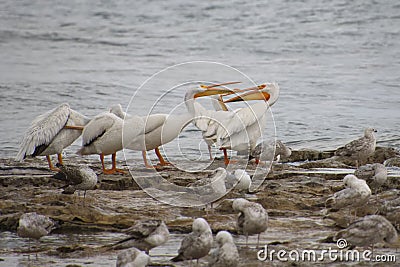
pixel 214 91
pixel 217 84
pixel 254 93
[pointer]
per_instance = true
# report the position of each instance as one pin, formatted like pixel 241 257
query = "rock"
pixel 308 154
pixel 392 162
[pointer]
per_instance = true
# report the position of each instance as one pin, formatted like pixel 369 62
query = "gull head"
pixel 238 204
pixel 223 237
pixel 200 225
pixel 349 180
pixel 369 132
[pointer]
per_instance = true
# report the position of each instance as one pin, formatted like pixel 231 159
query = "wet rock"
pixel 392 162
pixel 308 154
pixel 293 195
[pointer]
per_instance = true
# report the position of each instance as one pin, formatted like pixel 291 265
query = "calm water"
pixel 337 62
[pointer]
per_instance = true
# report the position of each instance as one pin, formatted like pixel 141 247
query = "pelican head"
pixel 267 92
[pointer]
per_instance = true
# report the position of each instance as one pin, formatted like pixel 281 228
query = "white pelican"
pixel 240 129
pixel 103 136
pixel 160 129
pixel 205 118
pixel 51 132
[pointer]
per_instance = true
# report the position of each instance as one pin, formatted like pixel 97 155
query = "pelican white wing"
pixel 43 130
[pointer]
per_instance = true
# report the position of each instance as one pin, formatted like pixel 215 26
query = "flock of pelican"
pixel 111 131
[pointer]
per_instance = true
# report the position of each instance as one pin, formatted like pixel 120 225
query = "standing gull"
pixel 51 132
pixel 359 149
pixel 374 174
pixel 197 244
pixel 144 235
pixel 356 194
pixel 133 258
pixel 270 151
pixel 77 178
pixel 368 231
pixel 226 253
pixel 253 218
pixel 34 226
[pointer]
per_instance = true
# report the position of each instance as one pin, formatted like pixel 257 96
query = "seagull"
pixel 240 180
pixel 375 174
pixel 33 225
pixel 253 218
pixel 77 178
pixel 144 235
pixel 51 132
pixel 270 151
pixel 226 253
pixel 356 193
pixel 133 258
pixel 197 244
pixel 368 231
pixel 359 149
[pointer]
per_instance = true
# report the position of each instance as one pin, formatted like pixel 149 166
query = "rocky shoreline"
pixel 293 193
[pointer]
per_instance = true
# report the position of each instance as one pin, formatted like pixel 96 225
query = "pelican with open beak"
pixel 240 129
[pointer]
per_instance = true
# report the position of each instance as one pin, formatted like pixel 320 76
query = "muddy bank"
pixel 293 193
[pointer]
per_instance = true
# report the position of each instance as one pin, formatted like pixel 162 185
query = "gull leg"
pixel 160 157
pixel 51 166
pixel 84 197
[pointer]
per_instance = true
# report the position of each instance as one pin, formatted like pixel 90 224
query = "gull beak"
pixel 251 95
pixel 214 91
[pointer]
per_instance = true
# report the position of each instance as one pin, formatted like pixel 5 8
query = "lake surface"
pixel 337 62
